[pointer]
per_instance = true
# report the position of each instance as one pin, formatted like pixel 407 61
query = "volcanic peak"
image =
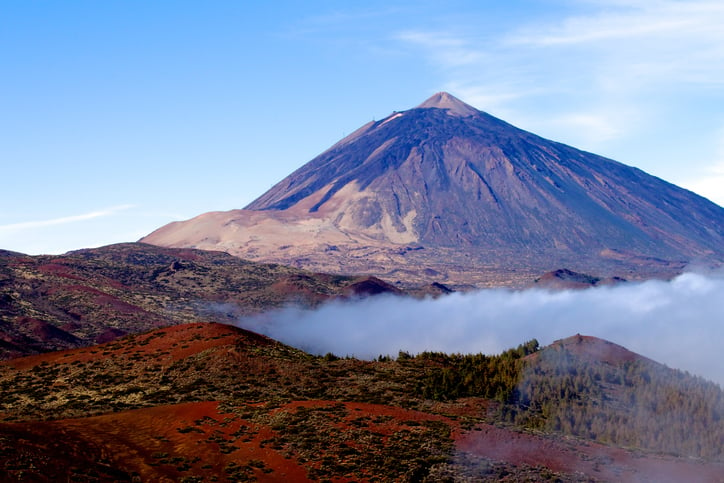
pixel 454 106
pixel 489 202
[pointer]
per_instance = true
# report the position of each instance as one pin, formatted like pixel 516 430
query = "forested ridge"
pixel 489 376
pixel 633 403
pixel 637 403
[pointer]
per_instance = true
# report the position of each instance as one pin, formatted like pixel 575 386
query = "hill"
pixel 198 402
pixel 563 279
pixel 93 296
pixel 444 192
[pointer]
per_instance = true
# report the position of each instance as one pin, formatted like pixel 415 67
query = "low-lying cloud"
pixel 678 323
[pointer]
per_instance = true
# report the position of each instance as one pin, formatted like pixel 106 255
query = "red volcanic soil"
pixel 58 270
pixel 170 343
pixel 165 443
pixel 45 331
pixel 108 335
pixel 296 286
pixel 168 443
pixel 577 457
pixel 289 441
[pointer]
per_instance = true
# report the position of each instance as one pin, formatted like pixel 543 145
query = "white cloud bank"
pixel 678 323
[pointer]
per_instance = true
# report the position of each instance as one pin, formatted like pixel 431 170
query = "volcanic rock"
pixel 568 279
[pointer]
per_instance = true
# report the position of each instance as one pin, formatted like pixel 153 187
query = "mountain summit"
pixel 449 193
pixel 454 106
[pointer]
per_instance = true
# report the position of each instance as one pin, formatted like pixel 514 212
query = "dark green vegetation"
pixel 148 370
pixel 96 295
pixel 476 375
pixel 636 403
pixel 330 417
pixel 628 401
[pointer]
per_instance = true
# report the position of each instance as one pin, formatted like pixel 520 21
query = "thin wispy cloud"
pixel 448 50
pixel 63 220
pixel 709 181
pixel 343 20
pixel 607 28
pixel 680 39
pixel 586 78
pixel 598 124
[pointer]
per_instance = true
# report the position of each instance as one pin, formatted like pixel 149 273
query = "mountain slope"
pixel 96 295
pixel 197 401
pixel 443 185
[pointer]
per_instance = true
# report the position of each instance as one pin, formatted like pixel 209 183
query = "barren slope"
pixel 94 296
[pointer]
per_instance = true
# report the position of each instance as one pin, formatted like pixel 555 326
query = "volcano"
pixel 447 193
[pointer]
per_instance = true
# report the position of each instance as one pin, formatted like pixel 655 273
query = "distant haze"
pixel 678 323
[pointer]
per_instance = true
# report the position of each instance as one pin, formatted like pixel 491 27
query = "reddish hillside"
pixel 199 401
pixel 166 345
pixel 97 295
pixel 165 443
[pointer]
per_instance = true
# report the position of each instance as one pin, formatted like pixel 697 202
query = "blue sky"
pixel 117 117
